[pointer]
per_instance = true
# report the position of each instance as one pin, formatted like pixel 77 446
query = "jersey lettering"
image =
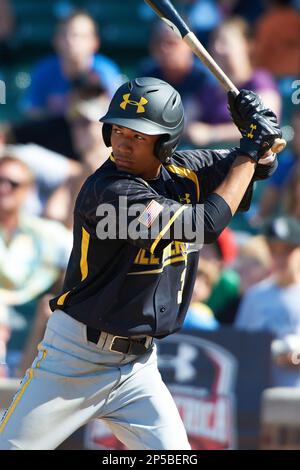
pixel 176 251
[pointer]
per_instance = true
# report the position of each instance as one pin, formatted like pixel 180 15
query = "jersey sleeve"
pixel 212 167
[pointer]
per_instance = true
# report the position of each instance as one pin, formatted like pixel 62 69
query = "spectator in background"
pixel 203 16
pixel 86 130
pixel 4 337
pixel 50 170
pixel 6 19
pixel 277 39
pixel 199 316
pixel 231 46
pixel 250 11
pixel 173 61
pixel 3 137
pixel 274 304
pixel 76 43
pixel 41 131
pixel 253 264
pixel 87 139
pixel 220 255
pixel 7 24
pixel 36 333
pixel 34 253
pixel 291 197
pixel 281 182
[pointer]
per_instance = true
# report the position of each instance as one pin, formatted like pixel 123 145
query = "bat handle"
pixel 278 146
pixel 199 50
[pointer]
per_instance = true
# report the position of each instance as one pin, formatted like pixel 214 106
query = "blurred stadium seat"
pixel 280 419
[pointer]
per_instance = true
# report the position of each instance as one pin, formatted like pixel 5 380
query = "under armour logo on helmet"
pixel 139 104
pixel 250 134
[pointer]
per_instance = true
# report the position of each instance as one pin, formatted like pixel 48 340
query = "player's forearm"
pixel 233 188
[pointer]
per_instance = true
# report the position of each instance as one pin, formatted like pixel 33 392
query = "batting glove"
pixel 257 124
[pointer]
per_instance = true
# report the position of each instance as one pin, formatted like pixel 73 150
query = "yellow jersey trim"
pixel 22 390
pixel 186 173
pixel 166 228
pixel 84 252
pixel 62 298
pixel 160 270
pixel 175 260
pixel 153 271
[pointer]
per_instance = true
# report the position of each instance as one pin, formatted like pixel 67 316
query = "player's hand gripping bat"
pixel 166 11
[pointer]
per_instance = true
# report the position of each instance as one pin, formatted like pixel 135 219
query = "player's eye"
pixel 117 131
pixel 139 137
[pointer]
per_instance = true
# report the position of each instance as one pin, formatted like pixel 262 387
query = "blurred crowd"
pixel 250 278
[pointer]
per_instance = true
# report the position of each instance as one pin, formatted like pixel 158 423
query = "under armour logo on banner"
pixel 140 104
pixel 182 363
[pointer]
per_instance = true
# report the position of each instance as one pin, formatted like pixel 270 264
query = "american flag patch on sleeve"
pixel 150 213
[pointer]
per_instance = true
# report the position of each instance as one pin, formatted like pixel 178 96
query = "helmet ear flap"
pixel 164 147
pixel 106 134
pixel 161 148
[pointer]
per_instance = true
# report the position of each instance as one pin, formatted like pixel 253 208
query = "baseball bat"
pixel 166 11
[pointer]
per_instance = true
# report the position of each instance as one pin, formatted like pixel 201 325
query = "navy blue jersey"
pixel 126 285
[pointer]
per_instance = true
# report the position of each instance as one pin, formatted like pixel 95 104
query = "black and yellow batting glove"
pixel 257 124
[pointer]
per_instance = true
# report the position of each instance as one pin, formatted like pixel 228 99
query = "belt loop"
pixel 103 339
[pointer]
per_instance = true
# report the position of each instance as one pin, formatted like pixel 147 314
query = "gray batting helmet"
pixel 150 106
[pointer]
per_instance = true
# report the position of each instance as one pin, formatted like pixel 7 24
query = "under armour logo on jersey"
pixel 140 104
pixel 250 134
pixel 182 363
pixel 186 199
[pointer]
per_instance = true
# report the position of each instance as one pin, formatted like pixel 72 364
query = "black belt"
pixel 120 344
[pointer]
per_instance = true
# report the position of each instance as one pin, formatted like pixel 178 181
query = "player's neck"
pixel 152 174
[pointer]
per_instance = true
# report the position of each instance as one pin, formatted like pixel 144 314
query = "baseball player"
pixel 131 273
